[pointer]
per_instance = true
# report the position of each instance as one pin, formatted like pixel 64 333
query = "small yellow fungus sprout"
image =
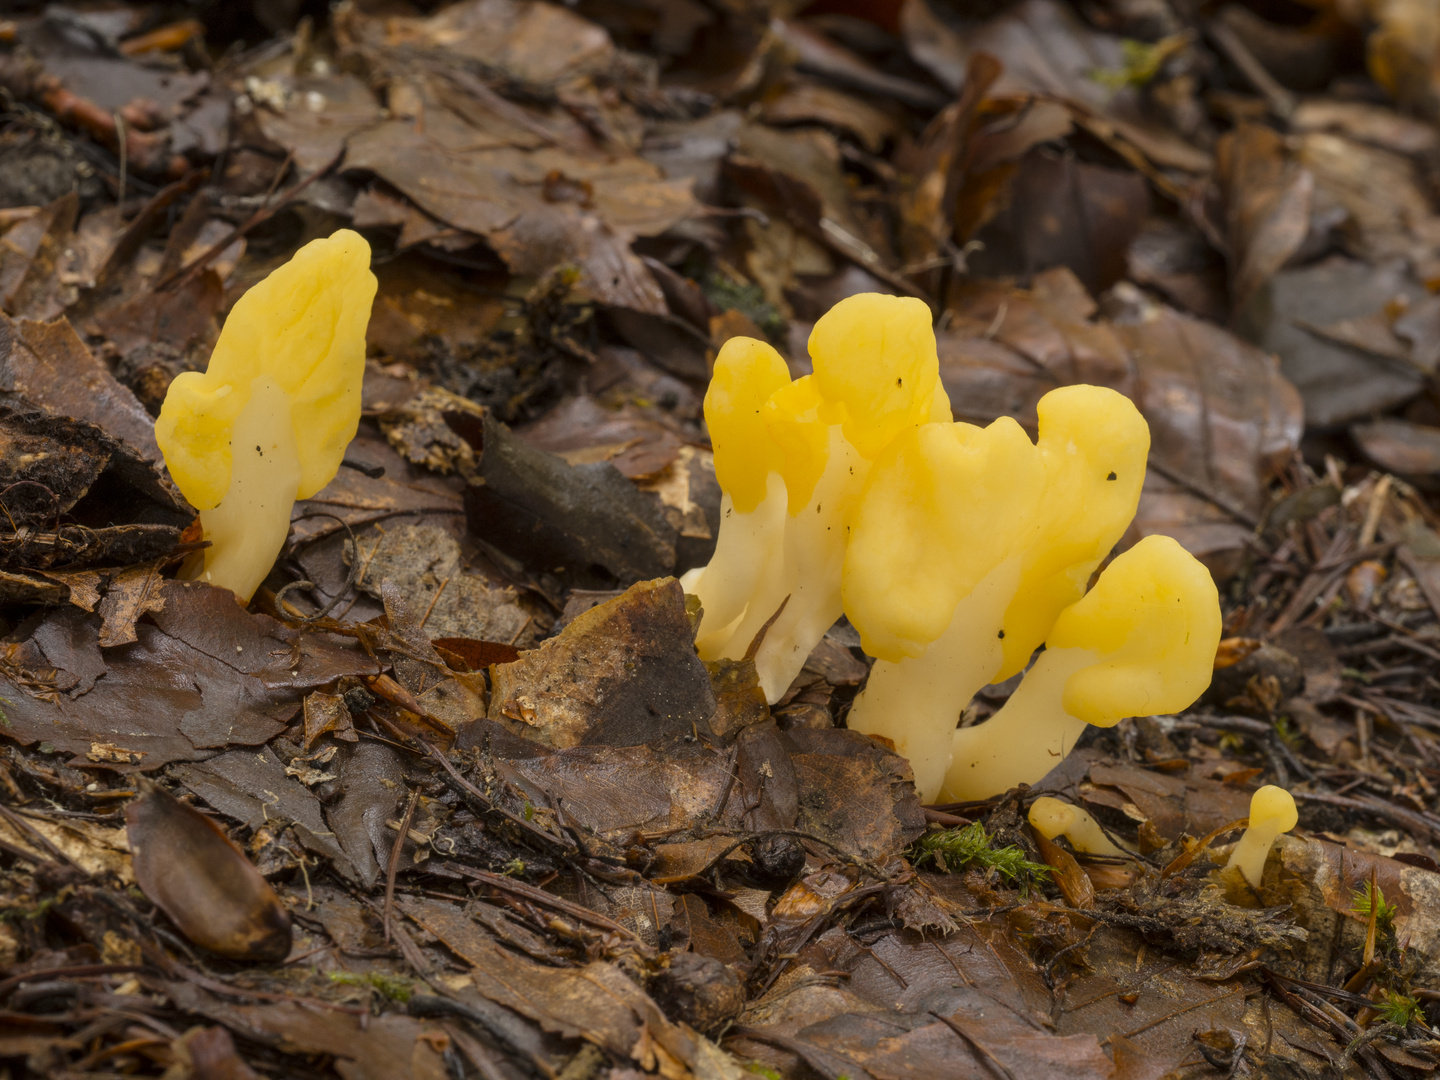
pixel 1141 642
pixel 269 419
pixel 967 545
pixel 1272 812
pixel 791 459
pixel 1051 818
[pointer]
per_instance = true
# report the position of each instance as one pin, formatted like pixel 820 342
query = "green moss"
pixel 951 850
pixel 1140 62
pixel 1399 1008
pixel 1362 903
pixel 390 986
pixel 745 297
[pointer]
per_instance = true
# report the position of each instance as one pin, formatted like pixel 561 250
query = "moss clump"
pixel 745 297
pixel 952 850
pixel 390 986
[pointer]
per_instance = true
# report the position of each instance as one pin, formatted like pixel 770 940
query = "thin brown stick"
pixel 394 866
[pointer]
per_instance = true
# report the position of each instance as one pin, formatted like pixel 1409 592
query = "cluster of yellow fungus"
pixel 956 551
pixel 269 419
pixel 791 458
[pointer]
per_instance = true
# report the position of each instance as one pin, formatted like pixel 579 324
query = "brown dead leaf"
pixel 1173 804
pixel 129 595
pixel 450 601
pixel 48 364
pixel 30 254
pixel 96 849
pixel 203 673
pixel 479 162
pixel 389 1047
pixel 1338 383
pixel 581 431
pixel 327 714
pixel 1046 48
pixel 255 790
pixel 202 881
pixel 1219 412
pixel 548 513
pixel 805 101
pixel 1268 198
pixel 616 790
pixel 620 674
pixel 211 1052
pixel 596 1002
pixel 1399 446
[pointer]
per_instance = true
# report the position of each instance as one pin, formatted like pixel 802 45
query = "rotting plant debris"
pixel 460 751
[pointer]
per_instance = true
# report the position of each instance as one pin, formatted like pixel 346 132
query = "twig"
pixel 185 274
pixel 1280 100
pixel 990 1060
pixel 350 578
pixel 394 866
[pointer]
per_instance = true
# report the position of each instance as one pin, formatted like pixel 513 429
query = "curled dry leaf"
pixel 202 881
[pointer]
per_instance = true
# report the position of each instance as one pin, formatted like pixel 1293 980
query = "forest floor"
pixel 511 825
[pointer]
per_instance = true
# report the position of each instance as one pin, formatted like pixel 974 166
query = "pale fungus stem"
pixel 1051 818
pixel 1272 812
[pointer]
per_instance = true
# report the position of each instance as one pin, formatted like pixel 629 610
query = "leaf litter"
pixel 455 796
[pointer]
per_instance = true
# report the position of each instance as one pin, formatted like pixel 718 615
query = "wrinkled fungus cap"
pixel 304 328
pixel 1093 442
pixel 1051 818
pixel 747 372
pixel 1153 618
pixel 1272 812
pixel 1275 807
pixel 943 506
pixel 875 354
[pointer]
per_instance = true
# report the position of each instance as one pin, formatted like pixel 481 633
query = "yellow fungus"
pixel 1141 642
pixel 1272 812
pixel 876 377
pixel 1051 818
pixel 967 541
pixel 268 421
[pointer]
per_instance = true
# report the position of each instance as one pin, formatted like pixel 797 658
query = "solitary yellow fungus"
pixel 1141 642
pixel 1272 812
pixel 967 545
pixel 1051 818
pixel 791 458
pixel 269 419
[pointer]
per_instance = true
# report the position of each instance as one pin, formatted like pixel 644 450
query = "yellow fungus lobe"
pixel 1153 619
pixel 746 373
pixel 1094 443
pixel 302 327
pixel 1272 812
pixel 269 419
pixel 875 354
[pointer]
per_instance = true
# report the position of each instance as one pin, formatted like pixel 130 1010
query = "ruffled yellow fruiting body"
pixel 876 355
pixel 943 507
pixel 286 373
pixel 1141 642
pixel 967 546
pixel 1051 818
pixel 1272 812
pixel 1094 443
pixel 1153 618
pixel 747 372
pixel 876 377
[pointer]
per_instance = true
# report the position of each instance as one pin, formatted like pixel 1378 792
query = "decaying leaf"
pixel 620 674
pixel 202 881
